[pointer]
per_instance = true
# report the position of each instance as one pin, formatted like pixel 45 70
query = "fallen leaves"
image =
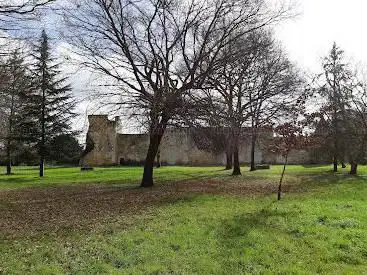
pixel 86 206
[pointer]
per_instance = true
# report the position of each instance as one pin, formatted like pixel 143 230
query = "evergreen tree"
pixel 338 80
pixel 52 103
pixel 65 149
pixel 14 89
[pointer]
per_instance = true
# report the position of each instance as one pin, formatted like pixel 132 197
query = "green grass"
pixel 28 176
pixel 322 228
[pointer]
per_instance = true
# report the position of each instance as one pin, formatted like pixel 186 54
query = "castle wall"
pixel 132 148
pixel 294 157
pixel 177 148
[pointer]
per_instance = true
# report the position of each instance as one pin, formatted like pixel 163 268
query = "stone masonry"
pixel 177 148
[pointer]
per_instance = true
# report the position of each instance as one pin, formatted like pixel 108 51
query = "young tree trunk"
pixel 229 162
pixel 281 178
pixel 353 168
pixel 253 145
pixel 154 141
pixel 236 160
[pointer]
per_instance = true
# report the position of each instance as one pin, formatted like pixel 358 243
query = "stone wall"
pixel 177 148
pixel 132 148
pixel 294 157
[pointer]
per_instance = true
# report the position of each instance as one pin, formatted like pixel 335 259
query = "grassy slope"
pixel 320 230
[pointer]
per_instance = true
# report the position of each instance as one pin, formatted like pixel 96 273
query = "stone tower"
pixel 103 132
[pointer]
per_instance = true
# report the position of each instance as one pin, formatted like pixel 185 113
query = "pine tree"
pixel 52 104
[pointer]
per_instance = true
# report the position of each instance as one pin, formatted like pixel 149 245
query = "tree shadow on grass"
pixel 234 234
pixel 326 179
pixel 240 225
pixel 17 179
pixel 313 165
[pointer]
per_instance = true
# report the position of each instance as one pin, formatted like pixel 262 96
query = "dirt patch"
pixel 85 206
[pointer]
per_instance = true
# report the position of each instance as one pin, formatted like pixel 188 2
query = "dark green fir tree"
pixel 53 104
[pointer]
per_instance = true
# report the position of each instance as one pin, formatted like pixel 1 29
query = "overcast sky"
pixel 307 38
pixel 310 36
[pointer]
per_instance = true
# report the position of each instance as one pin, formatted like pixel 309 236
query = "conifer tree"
pixel 338 80
pixel 52 102
pixel 14 88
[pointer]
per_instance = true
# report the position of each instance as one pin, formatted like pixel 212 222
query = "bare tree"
pixel 207 115
pixel 288 136
pixel 12 11
pixel 254 85
pixel 233 81
pixel 276 91
pixel 355 126
pixel 158 50
pixel 22 7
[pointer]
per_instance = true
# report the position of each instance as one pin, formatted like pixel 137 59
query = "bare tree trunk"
pixel 155 140
pixel 253 145
pixel 281 178
pixel 229 160
pixel 236 160
pixel 353 168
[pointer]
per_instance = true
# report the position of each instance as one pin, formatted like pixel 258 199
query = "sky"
pixel 309 37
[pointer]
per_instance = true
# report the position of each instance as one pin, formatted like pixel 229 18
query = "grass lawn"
pixel 194 221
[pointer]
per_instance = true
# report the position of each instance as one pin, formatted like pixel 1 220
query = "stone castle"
pixel 177 148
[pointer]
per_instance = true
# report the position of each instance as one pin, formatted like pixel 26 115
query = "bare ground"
pixel 85 206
